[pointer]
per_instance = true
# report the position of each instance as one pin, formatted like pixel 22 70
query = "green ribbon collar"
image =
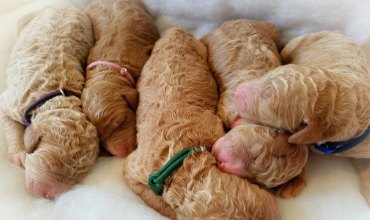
pixel 156 180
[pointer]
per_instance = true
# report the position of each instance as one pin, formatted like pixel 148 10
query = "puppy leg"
pixel 293 187
pixel 363 167
pixel 14 134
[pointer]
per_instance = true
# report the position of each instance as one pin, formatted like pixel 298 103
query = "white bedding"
pixel 332 190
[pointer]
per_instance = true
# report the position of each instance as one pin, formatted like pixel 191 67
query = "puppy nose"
pixel 49 190
pixel 50 196
pixel 40 189
pixel 120 152
pixel 219 163
pixel 120 148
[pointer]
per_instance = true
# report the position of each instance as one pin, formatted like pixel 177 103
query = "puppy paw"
pixel 291 188
pixel 18 158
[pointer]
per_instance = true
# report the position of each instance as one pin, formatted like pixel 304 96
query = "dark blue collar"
pixel 27 114
pixel 338 147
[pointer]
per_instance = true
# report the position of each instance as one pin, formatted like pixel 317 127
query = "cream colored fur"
pixel 61 145
pixel 322 94
pixel 240 51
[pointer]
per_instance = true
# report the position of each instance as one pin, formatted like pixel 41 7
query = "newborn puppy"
pixel 323 95
pixel 176 111
pixel 58 145
pixel 240 51
pixel 125 35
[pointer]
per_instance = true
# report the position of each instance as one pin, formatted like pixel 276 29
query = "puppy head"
pixel 61 150
pixel 268 30
pixel 111 108
pixel 294 98
pixel 260 154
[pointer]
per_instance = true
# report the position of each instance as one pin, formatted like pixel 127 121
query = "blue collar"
pixel 338 147
pixel 27 114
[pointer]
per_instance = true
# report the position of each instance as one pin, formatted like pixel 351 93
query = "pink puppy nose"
pixel 119 152
pixel 49 196
pixel 120 147
pixel 47 190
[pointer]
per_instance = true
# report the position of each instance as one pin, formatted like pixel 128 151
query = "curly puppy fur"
pixel 348 90
pixel 61 145
pixel 240 51
pixel 323 94
pixel 125 35
pixel 177 104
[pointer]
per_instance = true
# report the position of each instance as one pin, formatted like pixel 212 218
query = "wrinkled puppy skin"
pixel 61 145
pixel 177 104
pixel 322 94
pixel 125 35
pixel 240 51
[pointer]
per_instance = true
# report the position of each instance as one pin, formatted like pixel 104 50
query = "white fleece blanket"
pixel 332 191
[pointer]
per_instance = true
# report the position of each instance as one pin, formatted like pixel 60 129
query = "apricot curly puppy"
pixel 177 103
pixel 125 35
pixel 58 145
pixel 240 51
pixel 322 96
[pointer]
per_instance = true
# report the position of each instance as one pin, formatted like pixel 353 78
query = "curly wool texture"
pixel 50 53
pixel 178 98
pixel 240 51
pixel 125 35
pixel 322 95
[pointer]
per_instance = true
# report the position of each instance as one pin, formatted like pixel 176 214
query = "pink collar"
pixel 235 123
pixel 122 70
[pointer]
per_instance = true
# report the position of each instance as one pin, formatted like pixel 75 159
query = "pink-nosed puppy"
pixel 125 35
pixel 240 51
pixel 321 95
pixel 177 110
pixel 61 145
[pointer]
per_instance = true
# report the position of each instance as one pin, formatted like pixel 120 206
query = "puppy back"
pixel 124 33
pixel 58 57
pixel 177 99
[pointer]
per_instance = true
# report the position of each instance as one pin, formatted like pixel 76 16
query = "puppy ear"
pixel 131 97
pixel 32 138
pixel 312 133
pixel 319 125
pixel 280 145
